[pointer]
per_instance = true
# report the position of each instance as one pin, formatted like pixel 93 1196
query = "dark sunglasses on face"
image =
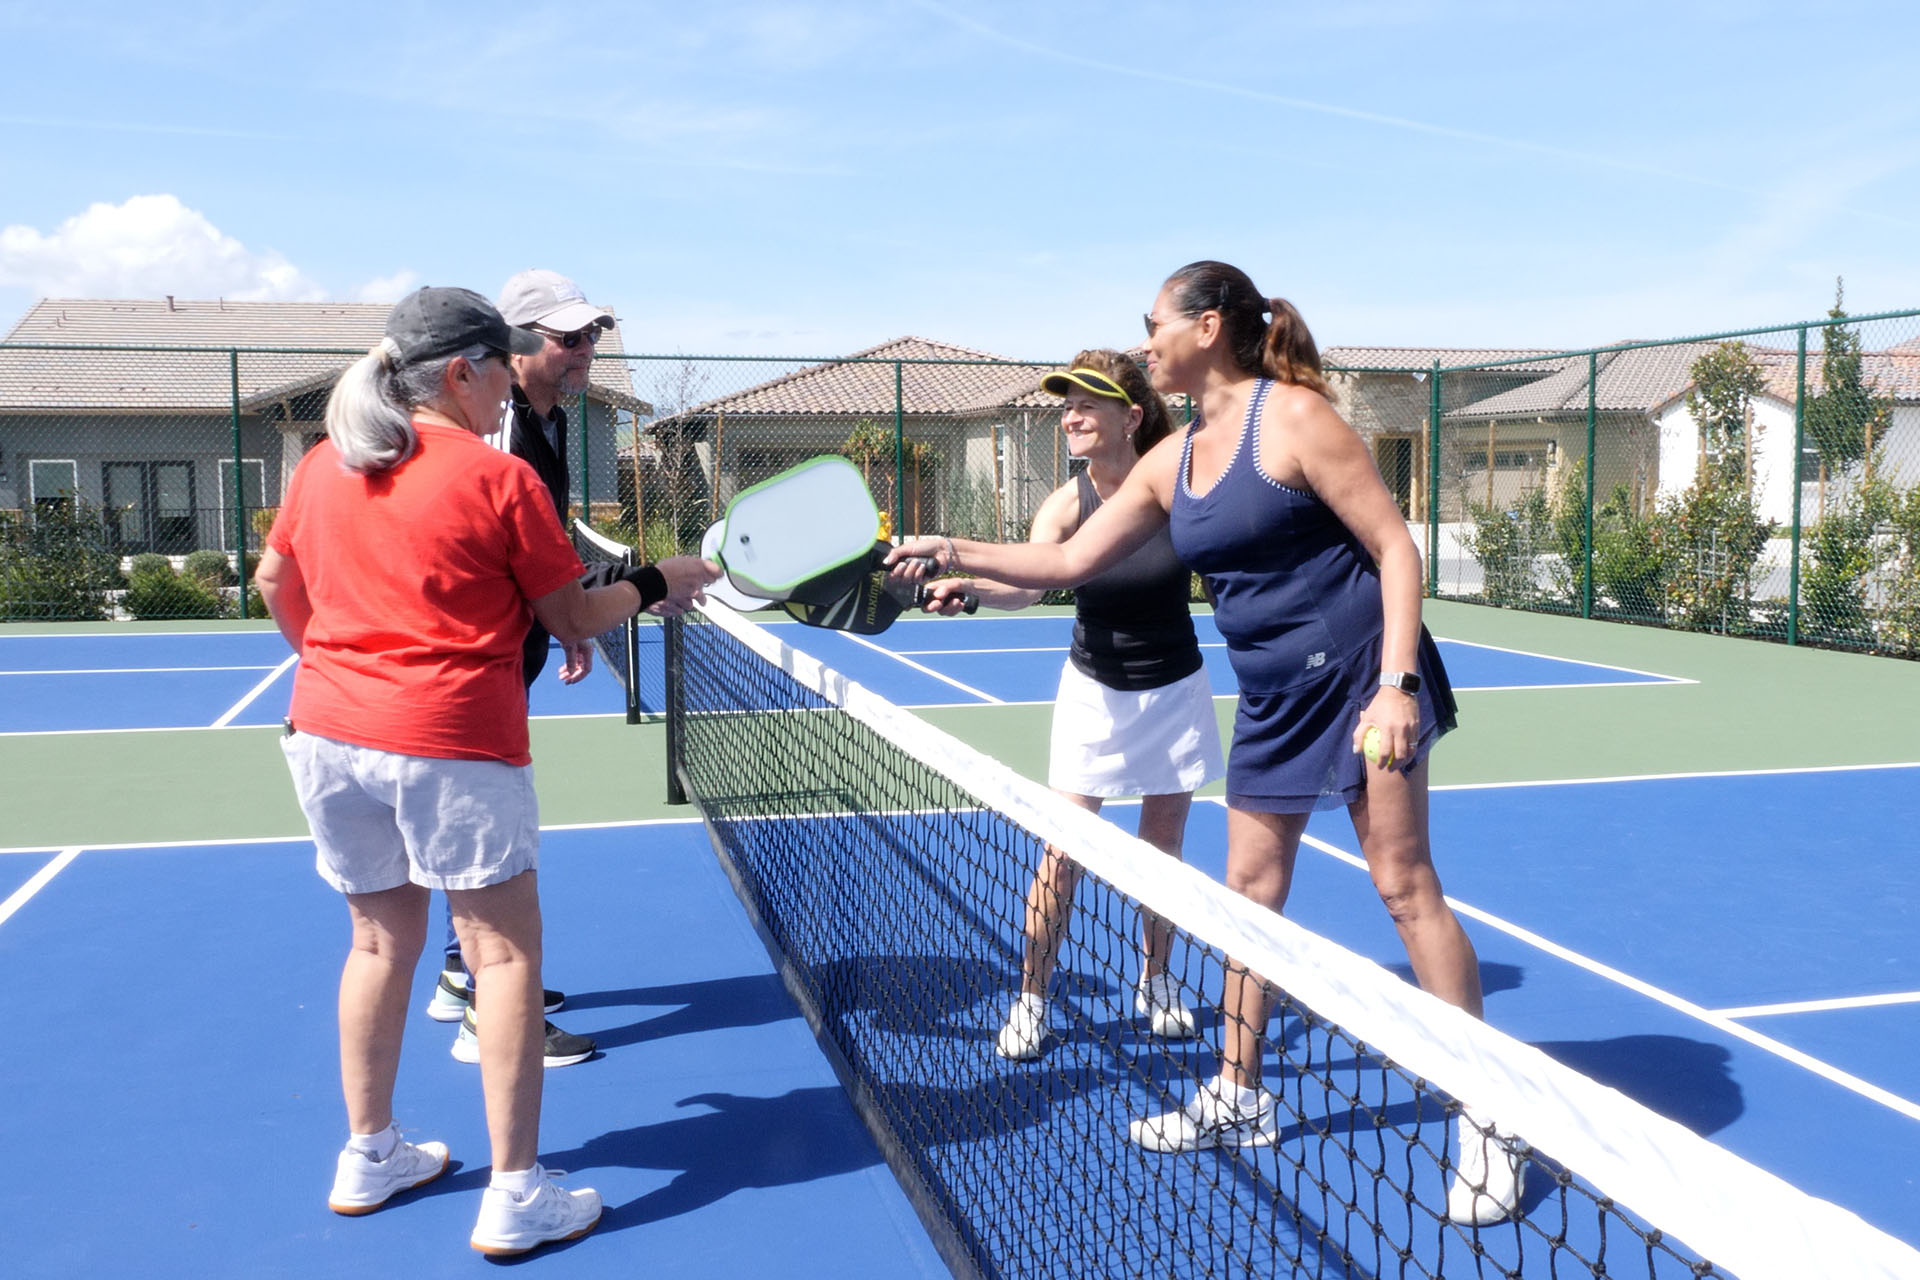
pixel 589 335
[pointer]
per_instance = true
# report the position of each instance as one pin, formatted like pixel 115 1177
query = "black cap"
pixel 431 322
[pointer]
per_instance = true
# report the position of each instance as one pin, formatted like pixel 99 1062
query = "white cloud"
pixel 145 248
pixel 388 288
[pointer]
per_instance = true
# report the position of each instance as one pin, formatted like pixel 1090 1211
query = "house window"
pixel 1519 457
pixel 149 506
pixel 52 482
pixel 253 472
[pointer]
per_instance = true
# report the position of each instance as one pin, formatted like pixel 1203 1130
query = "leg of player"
pixel 1391 822
pixel 389 931
pixel 500 932
pixel 1233 1109
pixel 1028 1026
pixel 1163 824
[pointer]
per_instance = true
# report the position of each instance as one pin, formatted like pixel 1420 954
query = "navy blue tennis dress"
pixel 1297 599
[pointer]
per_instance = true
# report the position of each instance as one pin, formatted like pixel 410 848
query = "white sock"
pixel 519 1185
pixel 1240 1096
pixel 375 1146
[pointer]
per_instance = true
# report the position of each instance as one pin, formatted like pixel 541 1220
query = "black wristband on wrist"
pixel 648 581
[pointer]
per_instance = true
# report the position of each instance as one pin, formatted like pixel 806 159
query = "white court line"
pixel 133 671
pixel 140 846
pixel 1558 657
pixel 1823 1006
pixel 927 671
pixel 134 635
pixel 38 881
pixel 1718 1021
pixel 253 693
pixel 1665 777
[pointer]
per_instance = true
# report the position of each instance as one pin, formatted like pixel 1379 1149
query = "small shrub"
pixel 210 568
pixel 1507 545
pixel 156 591
pixel 55 564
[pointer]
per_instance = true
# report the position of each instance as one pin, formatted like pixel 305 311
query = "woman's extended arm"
pixel 1123 523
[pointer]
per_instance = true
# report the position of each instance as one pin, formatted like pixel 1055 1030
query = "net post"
pixel 675 647
pixel 239 481
pixel 632 629
pixel 1433 479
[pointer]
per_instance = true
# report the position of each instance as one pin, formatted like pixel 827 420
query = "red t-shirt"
pixel 420 578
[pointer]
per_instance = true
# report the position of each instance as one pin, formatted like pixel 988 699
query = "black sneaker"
pixel 450 998
pixel 562 1049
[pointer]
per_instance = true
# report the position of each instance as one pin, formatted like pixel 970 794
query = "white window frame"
pixel 256 465
pixel 33 487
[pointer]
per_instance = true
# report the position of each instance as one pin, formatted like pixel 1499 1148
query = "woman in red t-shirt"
pixel 405 566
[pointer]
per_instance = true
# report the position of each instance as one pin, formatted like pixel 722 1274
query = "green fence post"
pixel 899 452
pixel 1799 443
pixel 239 479
pixel 1593 416
pixel 1433 480
pixel 586 464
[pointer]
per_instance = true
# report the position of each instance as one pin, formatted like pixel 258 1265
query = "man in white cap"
pixel 535 428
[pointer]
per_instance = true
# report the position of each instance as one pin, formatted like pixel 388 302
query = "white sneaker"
pixel 551 1214
pixel 1026 1033
pixel 1488 1175
pixel 362 1184
pixel 1210 1120
pixel 1158 1000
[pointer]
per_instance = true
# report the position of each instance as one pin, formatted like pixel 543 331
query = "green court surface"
pixel 1752 705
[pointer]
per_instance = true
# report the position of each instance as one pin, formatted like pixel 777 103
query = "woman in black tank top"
pixel 1135 714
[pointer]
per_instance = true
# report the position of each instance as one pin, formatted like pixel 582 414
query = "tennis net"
pixel 887 865
pixel 623 649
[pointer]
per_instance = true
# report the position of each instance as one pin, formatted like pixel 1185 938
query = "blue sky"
pixel 812 178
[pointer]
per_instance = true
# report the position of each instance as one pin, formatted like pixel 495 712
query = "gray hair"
pixel 370 414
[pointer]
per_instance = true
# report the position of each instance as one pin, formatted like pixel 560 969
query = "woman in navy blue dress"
pixel 1275 500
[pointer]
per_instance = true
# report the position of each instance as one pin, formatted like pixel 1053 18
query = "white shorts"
pixel 1145 742
pixel 380 819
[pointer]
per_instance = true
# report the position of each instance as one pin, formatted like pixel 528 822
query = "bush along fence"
pixel 1756 483
pixel 1762 483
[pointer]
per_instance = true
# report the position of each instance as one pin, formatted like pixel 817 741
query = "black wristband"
pixel 648 581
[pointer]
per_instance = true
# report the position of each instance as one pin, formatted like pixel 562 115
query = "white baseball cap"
pixel 550 300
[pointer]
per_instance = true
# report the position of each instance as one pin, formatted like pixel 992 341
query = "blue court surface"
pixel 1736 951
pixel 170 1017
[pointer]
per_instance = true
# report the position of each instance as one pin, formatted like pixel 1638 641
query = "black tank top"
pixel 1131 626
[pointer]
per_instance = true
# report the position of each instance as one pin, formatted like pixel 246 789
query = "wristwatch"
pixel 1404 681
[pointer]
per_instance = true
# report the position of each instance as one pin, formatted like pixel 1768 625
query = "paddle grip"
pixel 969 602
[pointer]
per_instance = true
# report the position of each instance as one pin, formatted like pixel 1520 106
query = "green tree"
pixel 1845 420
pixel 1725 381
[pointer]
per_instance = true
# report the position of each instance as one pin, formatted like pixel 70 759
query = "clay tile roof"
pixel 863 383
pixel 336 333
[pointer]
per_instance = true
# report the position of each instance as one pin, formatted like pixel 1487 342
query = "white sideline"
pixel 36 882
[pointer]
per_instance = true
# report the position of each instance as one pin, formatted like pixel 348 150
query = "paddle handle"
pixel 969 602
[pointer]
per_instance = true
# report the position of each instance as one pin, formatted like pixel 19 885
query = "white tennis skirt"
pixel 1146 742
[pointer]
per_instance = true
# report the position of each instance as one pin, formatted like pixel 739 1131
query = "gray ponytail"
pixel 370 414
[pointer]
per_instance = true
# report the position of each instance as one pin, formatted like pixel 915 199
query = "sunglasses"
pixel 1153 326
pixel 589 335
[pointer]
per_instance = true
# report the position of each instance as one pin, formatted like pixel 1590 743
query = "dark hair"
pixel 1155 422
pixel 1282 349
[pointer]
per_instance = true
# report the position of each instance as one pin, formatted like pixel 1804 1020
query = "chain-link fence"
pixel 1760 483
pixel 139 482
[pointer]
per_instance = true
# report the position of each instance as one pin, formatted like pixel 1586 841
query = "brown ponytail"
pixel 1288 354
pixel 1283 350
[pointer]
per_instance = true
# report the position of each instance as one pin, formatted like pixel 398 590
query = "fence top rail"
pixel 1586 352
pixel 226 348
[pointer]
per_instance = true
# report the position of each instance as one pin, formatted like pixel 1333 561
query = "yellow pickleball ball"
pixel 1370 747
